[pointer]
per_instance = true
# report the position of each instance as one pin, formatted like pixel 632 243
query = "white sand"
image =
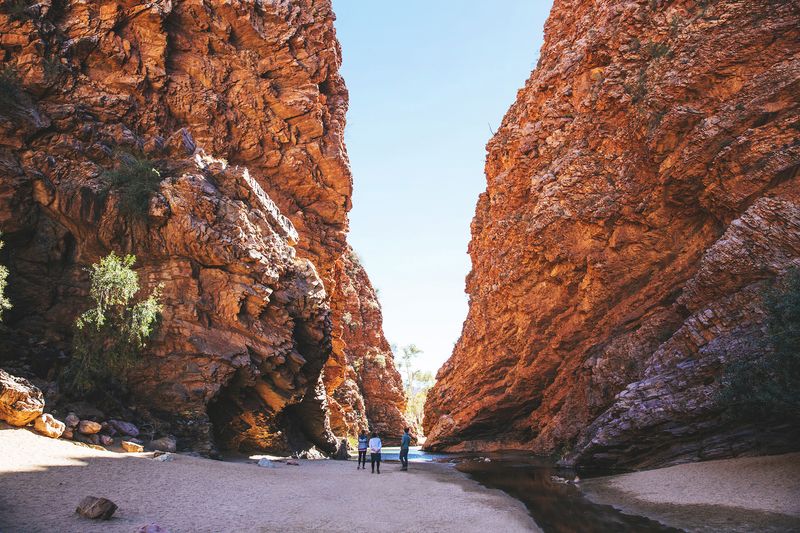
pixel 42 480
pixel 769 484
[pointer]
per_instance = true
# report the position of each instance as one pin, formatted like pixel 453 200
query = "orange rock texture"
pixel 641 192
pixel 371 390
pixel 241 107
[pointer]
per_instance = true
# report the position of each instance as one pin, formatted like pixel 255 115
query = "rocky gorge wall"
pixel 242 107
pixel 642 192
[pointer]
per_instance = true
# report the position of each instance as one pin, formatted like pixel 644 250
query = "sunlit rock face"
pixel 641 192
pixel 367 390
pixel 246 239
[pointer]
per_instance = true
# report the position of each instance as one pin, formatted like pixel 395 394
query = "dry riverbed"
pixel 42 480
pixel 742 494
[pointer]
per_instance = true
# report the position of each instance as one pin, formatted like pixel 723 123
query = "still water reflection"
pixel 556 506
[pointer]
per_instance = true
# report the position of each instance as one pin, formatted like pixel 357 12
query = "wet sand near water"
pixel 42 480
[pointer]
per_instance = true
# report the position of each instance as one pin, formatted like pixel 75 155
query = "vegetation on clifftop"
pixel 110 336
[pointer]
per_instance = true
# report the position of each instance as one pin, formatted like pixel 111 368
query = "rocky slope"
pixel 247 325
pixel 641 192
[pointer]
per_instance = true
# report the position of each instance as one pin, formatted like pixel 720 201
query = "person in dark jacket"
pixel 405 443
pixel 363 441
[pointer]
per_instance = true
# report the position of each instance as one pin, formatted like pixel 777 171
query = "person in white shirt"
pixel 375 451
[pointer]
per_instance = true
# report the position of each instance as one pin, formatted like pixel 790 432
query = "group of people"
pixel 374 446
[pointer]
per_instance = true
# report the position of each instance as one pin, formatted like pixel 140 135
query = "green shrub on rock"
pixel 5 303
pixel 110 336
pixel 768 387
pixel 135 179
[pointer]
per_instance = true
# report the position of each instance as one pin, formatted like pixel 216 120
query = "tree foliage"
pixel 768 387
pixel 5 303
pixel 416 383
pixel 110 336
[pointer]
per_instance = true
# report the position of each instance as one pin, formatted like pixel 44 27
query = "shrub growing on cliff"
pixel 110 336
pixel 5 303
pixel 135 179
pixel 768 387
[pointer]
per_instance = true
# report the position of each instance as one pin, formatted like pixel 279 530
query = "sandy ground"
pixel 742 494
pixel 42 480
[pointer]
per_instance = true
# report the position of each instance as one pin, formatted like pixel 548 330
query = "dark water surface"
pixel 556 506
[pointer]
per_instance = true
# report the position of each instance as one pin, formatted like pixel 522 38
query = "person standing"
pixel 375 451
pixel 404 445
pixel 362 450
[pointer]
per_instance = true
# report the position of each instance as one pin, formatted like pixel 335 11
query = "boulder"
pixel 164 444
pixel 72 420
pixel 96 508
pixel 125 428
pixel 105 440
pixel 164 457
pixel 47 425
pixel 266 463
pixel 341 451
pixel 20 401
pixel 132 447
pixel 68 433
pixel 88 427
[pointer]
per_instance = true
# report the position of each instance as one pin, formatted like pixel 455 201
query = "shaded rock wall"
pixel 247 325
pixel 640 193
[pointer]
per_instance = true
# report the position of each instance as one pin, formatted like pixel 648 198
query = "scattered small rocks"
pixel 132 447
pixel 47 425
pixel 96 508
pixel 89 427
pixel 164 444
pixel 293 463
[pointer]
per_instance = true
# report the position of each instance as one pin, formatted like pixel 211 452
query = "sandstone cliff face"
pixel 640 192
pixel 369 371
pixel 247 325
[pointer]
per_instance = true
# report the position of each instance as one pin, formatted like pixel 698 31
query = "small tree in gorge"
pixel 416 382
pixel 410 353
pixel 110 336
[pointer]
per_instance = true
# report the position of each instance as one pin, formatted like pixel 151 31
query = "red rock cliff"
pixel 640 192
pixel 247 324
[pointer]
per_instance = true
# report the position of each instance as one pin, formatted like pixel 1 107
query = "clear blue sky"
pixel 427 79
